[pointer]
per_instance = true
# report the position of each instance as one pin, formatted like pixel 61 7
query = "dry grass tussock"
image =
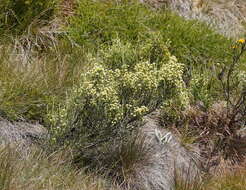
pixel 217 135
pixel 41 171
pixel 38 38
pixel 227 16
pixel 41 35
pixel 226 176
pixel 30 80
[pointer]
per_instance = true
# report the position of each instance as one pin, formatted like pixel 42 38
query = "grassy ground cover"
pixel 93 27
pixel 93 66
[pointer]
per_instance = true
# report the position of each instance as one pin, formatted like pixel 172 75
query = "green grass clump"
pixel 99 22
pixel 18 16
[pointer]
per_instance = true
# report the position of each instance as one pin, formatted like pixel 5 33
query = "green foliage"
pixel 94 26
pixel 103 21
pixel 112 94
pixel 19 16
pixel 99 22
pixel 194 44
pixel 203 87
pixel 120 61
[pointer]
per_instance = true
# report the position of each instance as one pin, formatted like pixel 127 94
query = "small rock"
pixel 168 159
pixel 22 135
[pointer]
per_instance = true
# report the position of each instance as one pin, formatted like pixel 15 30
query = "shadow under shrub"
pixel 122 160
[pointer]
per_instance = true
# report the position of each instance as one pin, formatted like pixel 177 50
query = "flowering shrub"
pixel 123 84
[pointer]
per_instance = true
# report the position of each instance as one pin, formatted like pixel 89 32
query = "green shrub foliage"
pixel 124 83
